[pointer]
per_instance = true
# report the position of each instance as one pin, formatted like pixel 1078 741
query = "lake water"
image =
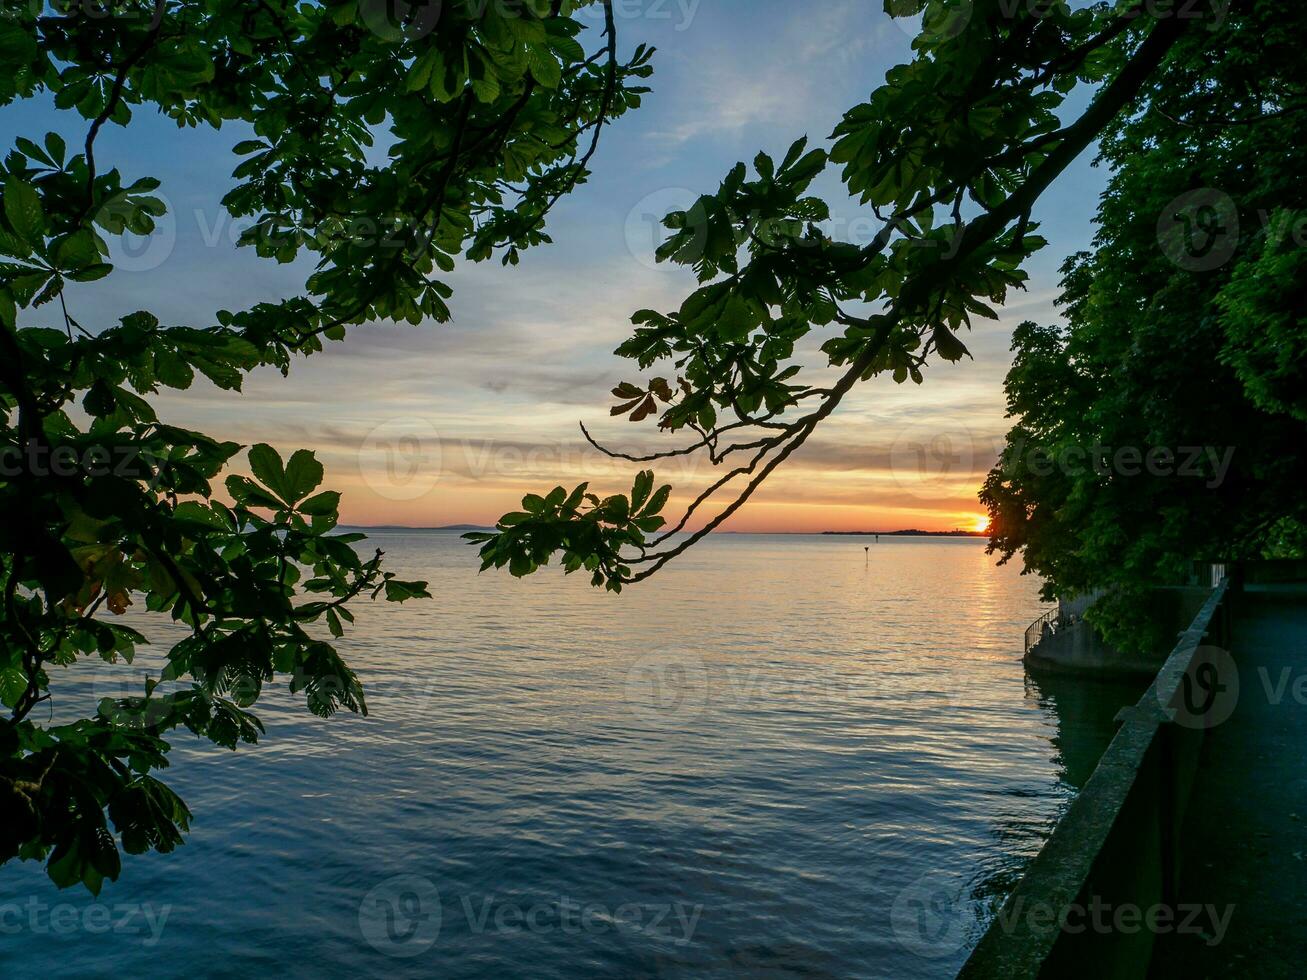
pixel 783 757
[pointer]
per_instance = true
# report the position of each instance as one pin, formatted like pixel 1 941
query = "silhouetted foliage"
pixel 488 113
pixel 1183 363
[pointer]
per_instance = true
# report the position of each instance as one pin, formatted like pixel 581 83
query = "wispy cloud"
pixel 499 391
pixel 793 77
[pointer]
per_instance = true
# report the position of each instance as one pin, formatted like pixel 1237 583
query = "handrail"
pixel 1053 620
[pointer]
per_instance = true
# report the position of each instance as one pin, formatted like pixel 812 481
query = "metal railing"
pixel 1046 625
pixel 1206 575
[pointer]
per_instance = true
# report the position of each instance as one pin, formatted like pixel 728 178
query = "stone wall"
pixel 1117 846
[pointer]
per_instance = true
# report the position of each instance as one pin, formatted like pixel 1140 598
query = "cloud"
pixel 733 99
pixel 529 352
pixel 795 76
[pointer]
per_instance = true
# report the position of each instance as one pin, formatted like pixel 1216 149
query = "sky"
pixel 452 424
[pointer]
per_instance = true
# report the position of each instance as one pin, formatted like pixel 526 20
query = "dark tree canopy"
pixel 487 114
pixel 1186 330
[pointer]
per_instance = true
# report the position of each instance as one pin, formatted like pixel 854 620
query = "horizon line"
pixel 901 532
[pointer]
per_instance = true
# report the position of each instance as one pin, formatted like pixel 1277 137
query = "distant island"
pixel 911 533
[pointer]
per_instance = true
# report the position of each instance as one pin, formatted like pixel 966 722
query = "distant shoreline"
pixel 911 533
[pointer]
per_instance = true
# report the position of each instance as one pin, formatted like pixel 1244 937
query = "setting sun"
pixel 980 524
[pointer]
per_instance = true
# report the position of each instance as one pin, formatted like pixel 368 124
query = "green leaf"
pixel 544 68
pixel 22 207
pixel 640 492
pixel 13 683
pixel 949 346
pixel 58 149
pixel 397 591
pixel 265 462
pixel 76 250
pixel 303 475
pixel 658 501
pixel 250 494
pixel 327 502
pixel 91 273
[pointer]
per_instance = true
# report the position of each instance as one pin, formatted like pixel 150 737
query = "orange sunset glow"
pixel 413 434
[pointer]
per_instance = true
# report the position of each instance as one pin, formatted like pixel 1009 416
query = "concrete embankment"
pixel 1119 846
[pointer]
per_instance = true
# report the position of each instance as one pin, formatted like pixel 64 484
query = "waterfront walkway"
pixel 1245 833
